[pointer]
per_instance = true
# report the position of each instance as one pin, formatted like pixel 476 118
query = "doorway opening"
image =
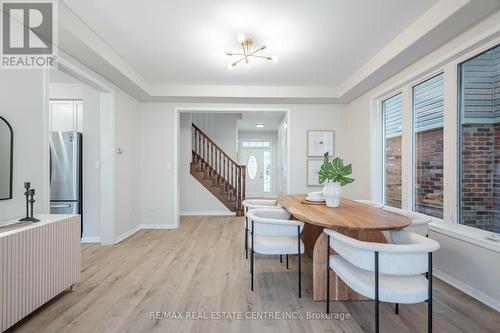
pixel 262 148
pixel 223 152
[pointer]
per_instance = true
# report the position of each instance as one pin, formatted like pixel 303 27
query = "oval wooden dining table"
pixel 351 218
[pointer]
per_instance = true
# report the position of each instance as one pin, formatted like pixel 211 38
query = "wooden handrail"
pixel 219 165
pixel 215 145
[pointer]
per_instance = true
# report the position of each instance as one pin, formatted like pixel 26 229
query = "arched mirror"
pixel 6 147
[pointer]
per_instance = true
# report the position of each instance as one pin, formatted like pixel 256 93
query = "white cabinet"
pixel 38 261
pixel 66 115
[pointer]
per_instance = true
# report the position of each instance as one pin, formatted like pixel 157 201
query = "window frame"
pixel 459 123
pixel 383 140
pixel 446 63
pixel 413 184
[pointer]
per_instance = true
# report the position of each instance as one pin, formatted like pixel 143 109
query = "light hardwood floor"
pixel 201 267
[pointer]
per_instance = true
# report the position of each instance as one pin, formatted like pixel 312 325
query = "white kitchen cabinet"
pixel 66 115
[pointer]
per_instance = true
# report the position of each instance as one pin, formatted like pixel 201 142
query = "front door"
pixel 256 155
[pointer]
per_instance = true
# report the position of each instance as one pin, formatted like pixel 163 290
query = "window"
pixel 267 171
pixel 392 111
pixel 255 144
pixel 479 137
pixel 252 167
pixel 427 107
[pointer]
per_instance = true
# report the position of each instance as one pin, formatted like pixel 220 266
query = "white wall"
pixel 23 104
pixel 127 164
pixel 92 154
pixel 157 164
pixel 359 137
pixel 315 117
pixel 195 199
pixel 65 90
pixel 468 267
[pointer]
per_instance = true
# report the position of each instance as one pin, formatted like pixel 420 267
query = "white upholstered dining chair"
pixel 252 204
pixel 384 272
pixel 419 222
pixel 272 233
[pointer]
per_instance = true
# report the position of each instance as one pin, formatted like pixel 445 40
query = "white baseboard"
pixel 472 292
pixel 207 213
pixel 127 233
pixel 157 226
pixel 90 239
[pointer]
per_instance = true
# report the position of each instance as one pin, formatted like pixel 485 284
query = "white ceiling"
pixel 270 120
pixel 182 42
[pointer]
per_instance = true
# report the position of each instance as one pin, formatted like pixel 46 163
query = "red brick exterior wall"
pixel 429 172
pixel 480 176
pixel 393 171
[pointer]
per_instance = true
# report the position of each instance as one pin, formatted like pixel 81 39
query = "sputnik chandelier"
pixel 248 52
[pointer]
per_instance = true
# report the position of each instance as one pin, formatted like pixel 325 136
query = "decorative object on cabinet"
pixel 31 193
pixel 27 186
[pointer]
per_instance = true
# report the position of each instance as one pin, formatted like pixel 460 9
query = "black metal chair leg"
pixel 252 257
pixel 287 261
pixel 429 300
pixel 298 248
pixel 246 237
pixel 396 308
pixel 281 258
pixel 328 276
pixel 377 313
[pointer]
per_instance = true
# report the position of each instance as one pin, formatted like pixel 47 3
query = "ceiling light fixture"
pixel 248 52
pixel 259 125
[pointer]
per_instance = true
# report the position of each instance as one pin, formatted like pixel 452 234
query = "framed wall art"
pixel 312 169
pixel 319 142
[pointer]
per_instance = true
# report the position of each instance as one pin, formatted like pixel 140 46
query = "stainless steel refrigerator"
pixel 66 173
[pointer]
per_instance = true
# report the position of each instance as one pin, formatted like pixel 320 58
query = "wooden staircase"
pixel 217 172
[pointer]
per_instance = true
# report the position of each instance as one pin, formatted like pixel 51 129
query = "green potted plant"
pixel 334 173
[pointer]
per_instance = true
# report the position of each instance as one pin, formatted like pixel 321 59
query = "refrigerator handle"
pixel 50 166
pixel 61 206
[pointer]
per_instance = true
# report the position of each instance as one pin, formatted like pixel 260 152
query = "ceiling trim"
pixel 82 43
pixel 436 15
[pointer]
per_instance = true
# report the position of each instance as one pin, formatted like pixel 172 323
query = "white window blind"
pixel 428 102
pixel 393 112
pixel 478 86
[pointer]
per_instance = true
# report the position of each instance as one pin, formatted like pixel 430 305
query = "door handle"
pixel 61 206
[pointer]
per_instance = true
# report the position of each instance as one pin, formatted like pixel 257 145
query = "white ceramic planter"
pixel 333 194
